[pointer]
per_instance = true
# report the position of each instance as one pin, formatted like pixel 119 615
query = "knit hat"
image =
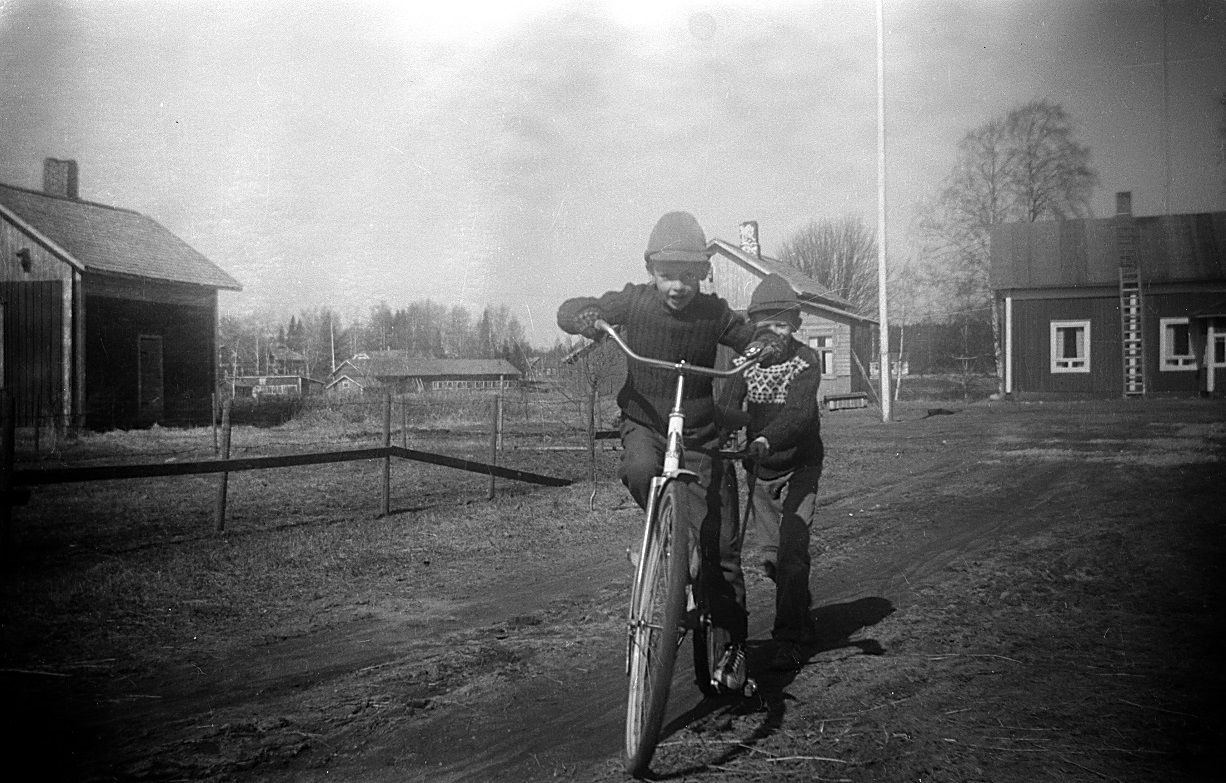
pixel 774 299
pixel 677 237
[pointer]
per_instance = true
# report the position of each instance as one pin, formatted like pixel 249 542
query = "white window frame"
pixel 825 352
pixel 1075 365
pixel 1170 362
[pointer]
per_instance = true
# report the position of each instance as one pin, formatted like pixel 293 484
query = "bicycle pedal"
pixel 750 687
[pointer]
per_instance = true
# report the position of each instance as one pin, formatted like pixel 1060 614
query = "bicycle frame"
pixel 644 630
pixel 674 453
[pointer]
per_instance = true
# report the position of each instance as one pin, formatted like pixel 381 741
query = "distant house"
pixel 398 372
pixel 281 360
pixel 258 387
pixel 844 339
pixel 109 320
pixel 1122 306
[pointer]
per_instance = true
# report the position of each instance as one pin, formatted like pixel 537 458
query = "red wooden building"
pixel 108 319
pixel 1123 306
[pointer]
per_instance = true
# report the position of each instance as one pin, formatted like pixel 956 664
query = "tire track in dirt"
pixel 577 733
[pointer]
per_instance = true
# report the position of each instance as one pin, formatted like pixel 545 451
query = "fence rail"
pixel 29 478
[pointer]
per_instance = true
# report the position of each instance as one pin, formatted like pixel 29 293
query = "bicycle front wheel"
pixel 657 602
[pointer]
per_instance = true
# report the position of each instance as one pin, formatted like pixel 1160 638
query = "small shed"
pixel 844 339
pixel 108 319
pixel 1103 307
pixel 259 387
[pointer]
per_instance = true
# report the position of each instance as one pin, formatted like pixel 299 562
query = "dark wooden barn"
pixel 1122 306
pixel 109 320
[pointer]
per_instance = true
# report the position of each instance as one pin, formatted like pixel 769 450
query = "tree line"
pixel 251 345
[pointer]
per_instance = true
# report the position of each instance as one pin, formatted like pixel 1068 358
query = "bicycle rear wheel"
pixel 709 644
pixel 657 602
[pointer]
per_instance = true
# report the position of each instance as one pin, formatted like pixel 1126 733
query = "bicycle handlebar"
pixel 681 366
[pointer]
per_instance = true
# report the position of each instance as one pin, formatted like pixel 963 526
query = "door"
pixel 150 406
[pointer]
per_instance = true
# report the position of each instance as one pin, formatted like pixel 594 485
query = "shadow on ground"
pixel 835 623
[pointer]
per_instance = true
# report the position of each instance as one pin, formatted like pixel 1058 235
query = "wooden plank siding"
pixel 112 362
pixel 736 284
pixel 33 348
pixel 1032 319
pixel 35 339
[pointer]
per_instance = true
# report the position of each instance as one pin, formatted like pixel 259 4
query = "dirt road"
pixel 945 542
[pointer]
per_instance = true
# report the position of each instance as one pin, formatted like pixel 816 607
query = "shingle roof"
pixel 109 239
pixel 1074 253
pixel 389 364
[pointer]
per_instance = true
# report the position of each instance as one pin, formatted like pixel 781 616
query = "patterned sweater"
pixel 783 407
pixel 651 329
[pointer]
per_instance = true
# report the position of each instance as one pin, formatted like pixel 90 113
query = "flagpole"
pixel 884 332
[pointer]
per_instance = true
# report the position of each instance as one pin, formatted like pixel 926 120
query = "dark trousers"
pixel 781 514
pixel 711 513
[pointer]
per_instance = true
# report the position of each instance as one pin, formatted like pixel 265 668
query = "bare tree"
pixel 1221 141
pixel 1025 166
pixel 841 255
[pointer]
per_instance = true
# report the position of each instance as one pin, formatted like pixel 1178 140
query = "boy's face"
pixel 784 329
pixel 678 281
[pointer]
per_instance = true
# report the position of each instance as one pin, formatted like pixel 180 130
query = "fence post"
pixel 224 480
pixel 8 448
pixel 213 423
pixel 501 412
pixel 404 420
pixel 591 432
pixel 494 438
pixel 387 461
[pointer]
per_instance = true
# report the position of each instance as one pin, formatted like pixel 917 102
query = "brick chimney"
pixel 1123 202
pixel 749 238
pixel 60 178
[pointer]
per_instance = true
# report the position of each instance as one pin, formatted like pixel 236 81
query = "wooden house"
pixel 398 372
pixel 844 339
pixel 258 387
pixel 1122 306
pixel 109 320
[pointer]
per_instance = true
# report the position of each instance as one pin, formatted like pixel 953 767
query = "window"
pixel 824 345
pixel 1070 346
pixel 1177 345
pixel 1219 350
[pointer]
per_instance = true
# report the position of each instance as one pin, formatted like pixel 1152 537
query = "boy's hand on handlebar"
pixel 758 448
pixel 766 347
pixel 585 323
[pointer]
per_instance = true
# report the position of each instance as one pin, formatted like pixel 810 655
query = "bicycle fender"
pixel 682 475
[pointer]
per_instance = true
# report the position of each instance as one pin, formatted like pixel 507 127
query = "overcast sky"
pixel 519 153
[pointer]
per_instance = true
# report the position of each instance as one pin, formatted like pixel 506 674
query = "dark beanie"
pixel 677 237
pixel 775 299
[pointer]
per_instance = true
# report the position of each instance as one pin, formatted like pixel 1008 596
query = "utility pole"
pixel 882 315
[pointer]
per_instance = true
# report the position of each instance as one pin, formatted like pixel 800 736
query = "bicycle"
pixel 660 603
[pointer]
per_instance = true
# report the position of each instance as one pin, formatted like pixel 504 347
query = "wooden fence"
pixel 15 484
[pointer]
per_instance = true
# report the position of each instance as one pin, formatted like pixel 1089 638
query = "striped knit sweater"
pixel 651 329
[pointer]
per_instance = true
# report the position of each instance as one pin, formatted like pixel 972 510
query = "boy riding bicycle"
pixel 785 444
pixel 670 319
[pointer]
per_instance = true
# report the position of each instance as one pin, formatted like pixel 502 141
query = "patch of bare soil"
pixel 1016 592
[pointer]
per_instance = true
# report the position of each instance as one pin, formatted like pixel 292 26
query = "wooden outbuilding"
pixel 844 339
pixel 1106 307
pixel 109 320
pixel 399 372
pixel 260 387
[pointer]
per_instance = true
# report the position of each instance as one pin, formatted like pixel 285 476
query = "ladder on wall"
pixel 1132 331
